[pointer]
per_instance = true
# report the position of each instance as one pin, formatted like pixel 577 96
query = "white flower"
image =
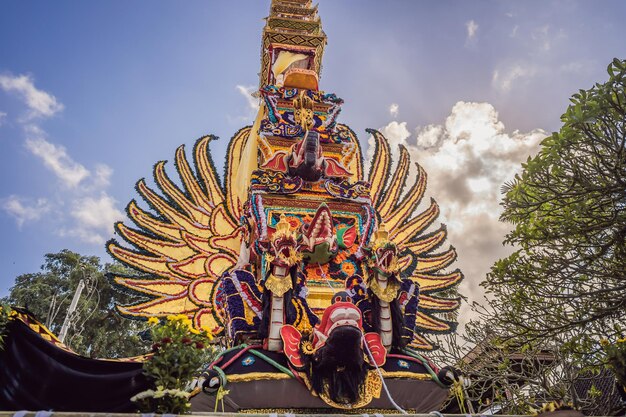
pixel 160 393
pixel 144 394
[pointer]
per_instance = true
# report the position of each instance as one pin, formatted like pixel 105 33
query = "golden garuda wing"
pixel 188 239
pixel 420 260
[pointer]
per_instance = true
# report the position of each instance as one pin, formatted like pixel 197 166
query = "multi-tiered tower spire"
pixel 318 276
pixel 297 249
pixel 293 43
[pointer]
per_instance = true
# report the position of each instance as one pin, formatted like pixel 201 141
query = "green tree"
pixel 567 276
pixel 96 330
pixel 510 375
pixel 5 311
pixel 562 291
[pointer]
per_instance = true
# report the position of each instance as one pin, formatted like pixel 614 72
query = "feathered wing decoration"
pixel 419 259
pixel 188 241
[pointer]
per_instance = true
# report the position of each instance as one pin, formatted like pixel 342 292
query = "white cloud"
pixel 56 159
pixel 396 133
pixel 39 102
pixel 92 212
pixel 472 30
pixel 508 77
pixel 247 91
pixel 3 117
pixel 394 109
pixel 102 176
pixel 505 79
pixel 542 35
pixel 23 210
pixel 97 213
pixel 576 67
pixel 84 235
pixel 467 160
pixel 93 218
pixel 429 136
pixel 252 105
pixel 547 37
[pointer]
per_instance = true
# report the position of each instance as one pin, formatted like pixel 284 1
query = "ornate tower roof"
pixel 293 42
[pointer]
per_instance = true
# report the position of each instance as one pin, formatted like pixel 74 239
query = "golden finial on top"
pixel 283 226
pixel 381 234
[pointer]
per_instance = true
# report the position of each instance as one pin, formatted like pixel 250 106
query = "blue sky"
pixel 92 94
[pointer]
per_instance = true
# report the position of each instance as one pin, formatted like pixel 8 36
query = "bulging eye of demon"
pixel 284 251
pixel 284 247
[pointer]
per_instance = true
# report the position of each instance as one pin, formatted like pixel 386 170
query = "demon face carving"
pixel 383 266
pixel 320 241
pixel 335 360
pixel 282 255
pixel 306 160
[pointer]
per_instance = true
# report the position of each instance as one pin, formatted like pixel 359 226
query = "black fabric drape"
pixel 37 375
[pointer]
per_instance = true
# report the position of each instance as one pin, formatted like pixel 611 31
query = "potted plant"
pixel 178 352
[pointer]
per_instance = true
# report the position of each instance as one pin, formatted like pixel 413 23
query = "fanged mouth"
pixel 285 249
pixel 386 260
pixel 320 230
